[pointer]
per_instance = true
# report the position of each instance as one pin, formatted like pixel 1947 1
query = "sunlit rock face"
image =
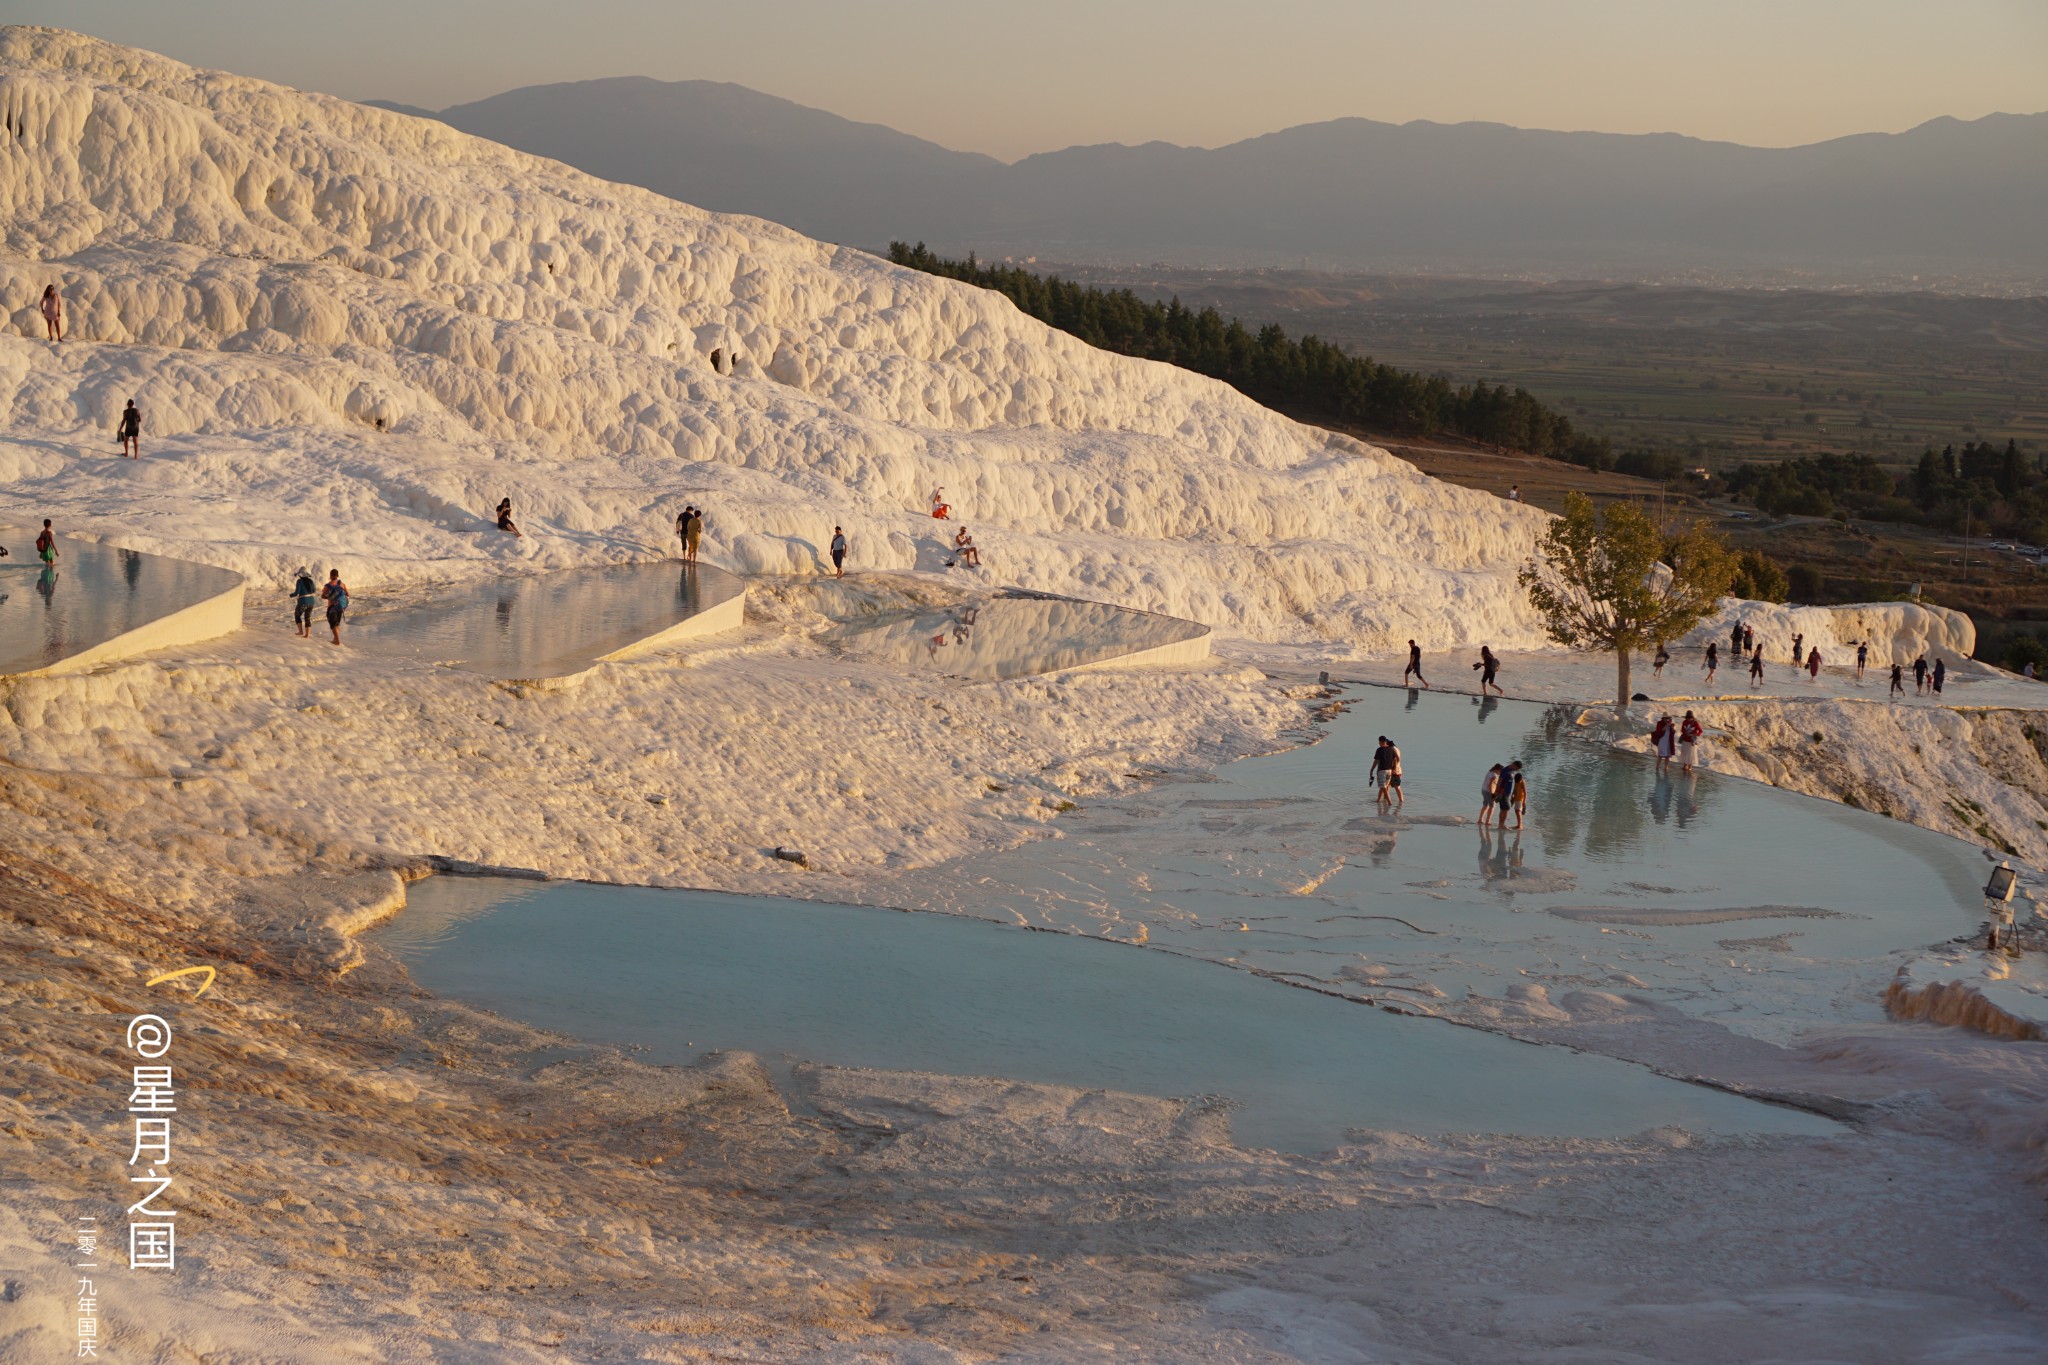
pixel 352 331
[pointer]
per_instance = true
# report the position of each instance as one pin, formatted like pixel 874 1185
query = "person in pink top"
pixel 52 308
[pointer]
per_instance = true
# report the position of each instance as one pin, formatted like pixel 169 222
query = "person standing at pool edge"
pixel 304 595
pixel 1713 659
pixel 1689 732
pixel 1756 669
pixel 46 544
pixel 130 431
pixel 1414 665
pixel 1390 773
pixel 692 534
pixel 838 553
pixel 336 593
pixel 1520 797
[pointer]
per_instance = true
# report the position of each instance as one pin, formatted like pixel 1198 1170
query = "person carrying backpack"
pixel 46 544
pixel 336 593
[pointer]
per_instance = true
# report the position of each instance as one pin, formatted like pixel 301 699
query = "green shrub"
pixel 1805 584
pixel 2022 650
pixel 1758 578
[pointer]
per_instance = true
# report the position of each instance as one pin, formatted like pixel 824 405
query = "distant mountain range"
pixel 1946 198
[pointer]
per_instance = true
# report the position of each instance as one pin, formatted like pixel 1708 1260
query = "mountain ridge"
pixel 1948 195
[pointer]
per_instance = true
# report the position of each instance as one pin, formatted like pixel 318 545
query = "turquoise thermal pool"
pixel 1735 903
pixel 681 972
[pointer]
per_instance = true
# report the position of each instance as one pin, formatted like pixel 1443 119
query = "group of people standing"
pixel 1503 790
pixel 1680 740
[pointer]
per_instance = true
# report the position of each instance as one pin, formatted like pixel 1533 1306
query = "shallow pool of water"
pixel 92 594
pixel 1009 637
pixel 1763 910
pixel 684 972
pixel 542 625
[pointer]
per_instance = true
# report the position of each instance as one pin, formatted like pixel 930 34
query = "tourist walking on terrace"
pixel 46 544
pixel 52 309
pixel 1489 670
pixel 304 594
pixel 838 553
pixel 1756 669
pixel 1898 682
pixel 1940 668
pixel 1797 657
pixel 1813 665
pixel 505 522
pixel 1748 638
pixel 1414 665
pixel 1663 740
pixel 1713 661
pixel 1386 773
pixel 336 595
pixel 1663 658
pixel 1862 657
pixel 130 431
pixel 1689 732
pixel 1920 674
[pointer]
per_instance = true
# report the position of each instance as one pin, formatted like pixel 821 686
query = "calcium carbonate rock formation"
pixel 351 332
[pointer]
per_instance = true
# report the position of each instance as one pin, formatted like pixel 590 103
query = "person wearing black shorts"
pixel 1414 665
pixel 838 553
pixel 336 595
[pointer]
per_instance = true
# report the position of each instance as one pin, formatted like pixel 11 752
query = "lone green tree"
pixel 1609 580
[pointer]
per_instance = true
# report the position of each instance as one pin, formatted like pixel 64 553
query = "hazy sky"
pixel 1018 78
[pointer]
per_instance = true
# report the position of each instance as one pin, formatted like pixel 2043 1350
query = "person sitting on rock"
pixel 970 553
pixel 505 522
pixel 941 509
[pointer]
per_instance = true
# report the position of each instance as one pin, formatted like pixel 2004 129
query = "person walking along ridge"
pixel 1414 665
pixel 304 595
pixel 1489 666
pixel 336 595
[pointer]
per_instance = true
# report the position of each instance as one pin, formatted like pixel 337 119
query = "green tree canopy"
pixel 1601 580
